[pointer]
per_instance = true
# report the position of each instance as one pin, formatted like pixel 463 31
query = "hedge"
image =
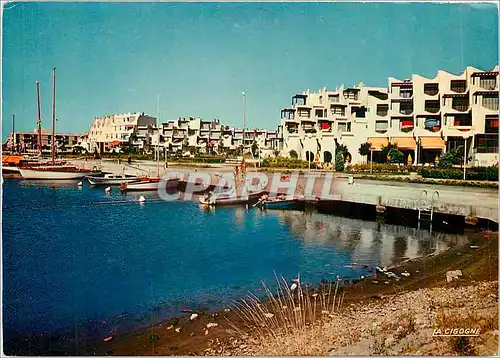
pixel 382 168
pixel 476 173
pixel 284 162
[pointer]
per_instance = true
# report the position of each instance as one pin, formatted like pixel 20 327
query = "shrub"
pixel 339 162
pixel 396 156
pixel 442 173
pixel 454 156
pixel 476 173
pixel 289 163
pixel 293 154
pixel 383 168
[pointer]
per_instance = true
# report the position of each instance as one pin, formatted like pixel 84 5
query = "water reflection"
pixel 364 240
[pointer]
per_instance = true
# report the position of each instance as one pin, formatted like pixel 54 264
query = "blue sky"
pixel 116 57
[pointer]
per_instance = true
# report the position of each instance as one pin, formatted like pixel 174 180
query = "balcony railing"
pixel 431 89
pixel 432 108
pixel 460 107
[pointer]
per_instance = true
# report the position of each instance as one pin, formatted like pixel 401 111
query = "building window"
pixel 462 120
pixel 431 89
pixel 344 127
pixel 381 126
pixel 488 82
pixel 352 95
pixel 405 92
pixel 491 124
pixel 458 86
pixel 299 100
pixel 406 108
pixel 304 112
pixel 460 103
pixel 319 113
pixel 333 98
pixel 490 101
pixel 382 110
pixel 487 143
pixel 338 110
pixel 432 106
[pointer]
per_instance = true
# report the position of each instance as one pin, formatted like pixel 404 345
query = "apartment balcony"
pixel 458 86
pixel 406 125
pixel 487 80
pixel 405 112
pixel 460 131
pixel 381 126
pixel 431 89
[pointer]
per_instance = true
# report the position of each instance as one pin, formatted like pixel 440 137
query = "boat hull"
pixel 52 174
pixel 282 204
pixel 148 185
pixel 107 181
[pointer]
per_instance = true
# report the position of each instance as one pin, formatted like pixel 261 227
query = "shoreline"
pixel 179 335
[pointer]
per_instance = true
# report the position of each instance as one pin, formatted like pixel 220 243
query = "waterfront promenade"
pixel 454 200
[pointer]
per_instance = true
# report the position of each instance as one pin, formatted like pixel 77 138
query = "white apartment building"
pixel 110 131
pixel 209 135
pixel 424 117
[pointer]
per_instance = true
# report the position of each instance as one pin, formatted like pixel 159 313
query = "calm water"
pixel 77 256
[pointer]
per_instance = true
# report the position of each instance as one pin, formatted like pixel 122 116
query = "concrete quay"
pixel 455 200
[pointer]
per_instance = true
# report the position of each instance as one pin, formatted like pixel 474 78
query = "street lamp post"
pixel 465 155
pixel 371 160
pixel 244 117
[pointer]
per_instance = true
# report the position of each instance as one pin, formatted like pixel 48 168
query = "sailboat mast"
pixel 158 139
pixel 53 142
pixel 13 133
pixel 39 119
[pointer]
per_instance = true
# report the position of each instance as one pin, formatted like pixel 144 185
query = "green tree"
pixel 385 151
pixel 454 156
pixel 339 162
pixel 293 154
pixel 396 156
pixel 255 149
pixel 364 149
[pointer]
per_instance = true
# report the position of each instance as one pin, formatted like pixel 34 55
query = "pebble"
pixel 193 316
pixel 269 315
pixel 210 325
pixel 178 329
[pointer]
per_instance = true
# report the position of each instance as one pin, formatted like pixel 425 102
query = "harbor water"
pixel 87 262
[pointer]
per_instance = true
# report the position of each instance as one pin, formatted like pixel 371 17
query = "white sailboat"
pixel 52 171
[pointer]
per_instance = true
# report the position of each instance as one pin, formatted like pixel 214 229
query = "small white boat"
pixel 148 184
pixel 111 179
pixel 56 172
pixel 226 198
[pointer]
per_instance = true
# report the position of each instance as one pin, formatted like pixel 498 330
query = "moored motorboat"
pixel 229 197
pixel 148 183
pixel 111 179
pixel 281 202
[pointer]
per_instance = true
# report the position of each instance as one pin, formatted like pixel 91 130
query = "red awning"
pixel 115 143
pixel 325 125
pixel 406 124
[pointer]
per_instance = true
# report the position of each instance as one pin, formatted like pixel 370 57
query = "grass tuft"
pixel 290 309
